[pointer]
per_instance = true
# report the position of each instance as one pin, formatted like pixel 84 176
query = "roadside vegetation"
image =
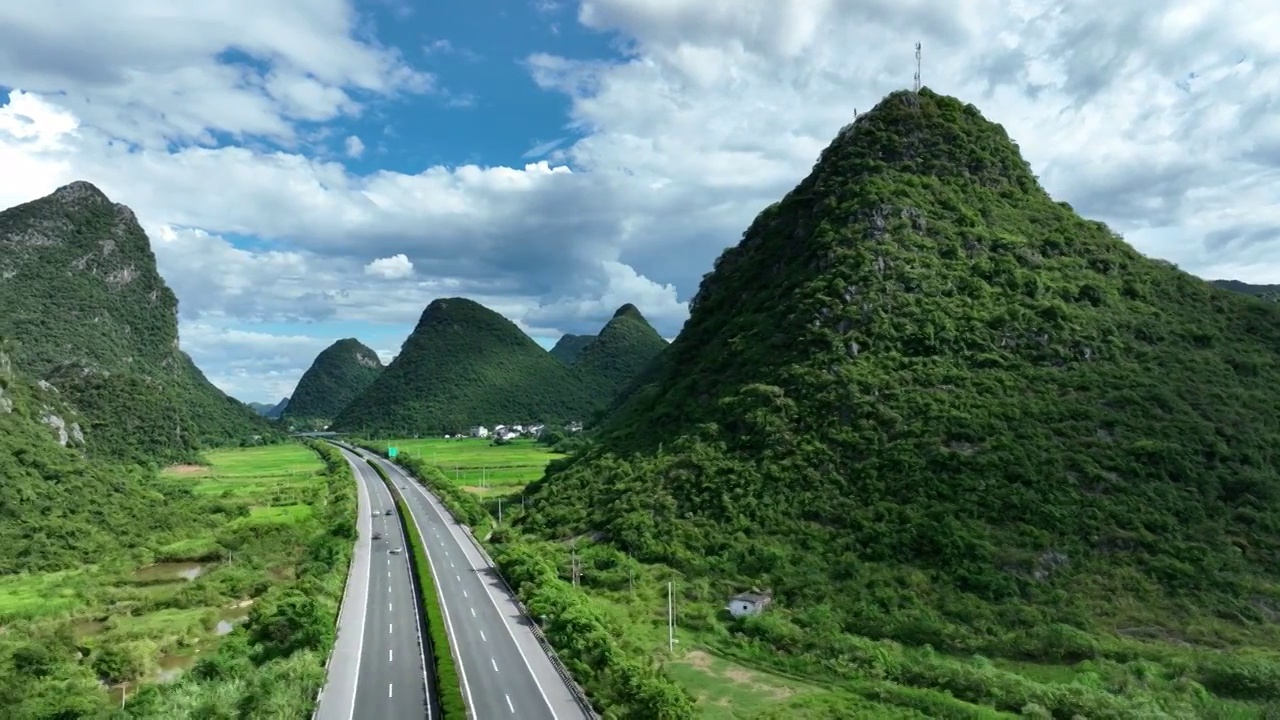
pixel 227 613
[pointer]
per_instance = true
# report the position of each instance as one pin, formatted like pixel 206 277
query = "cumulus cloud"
pixel 391 268
pixel 354 146
pixel 1158 118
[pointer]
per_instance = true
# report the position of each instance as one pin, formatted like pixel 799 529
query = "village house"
pixel 479 431
pixel 748 603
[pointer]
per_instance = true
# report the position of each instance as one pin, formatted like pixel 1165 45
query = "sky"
pixel 309 170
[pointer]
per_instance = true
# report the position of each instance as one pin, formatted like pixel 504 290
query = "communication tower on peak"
pixel 917 67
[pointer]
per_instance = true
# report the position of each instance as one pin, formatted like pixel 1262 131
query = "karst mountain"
pixel 917 369
pixel 87 313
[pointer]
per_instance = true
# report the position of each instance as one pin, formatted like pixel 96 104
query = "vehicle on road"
pixel 377 536
pixel 388 512
pixel 395 551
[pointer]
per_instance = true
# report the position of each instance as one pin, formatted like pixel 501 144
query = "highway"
pixel 377 668
pixel 503 670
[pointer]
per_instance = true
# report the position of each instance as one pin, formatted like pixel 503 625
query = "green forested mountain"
pixel 337 376
pixel 616 357
pixel 58 508
pixel 921 399
pixel 463 365
pixel 569 347
pixel 82 301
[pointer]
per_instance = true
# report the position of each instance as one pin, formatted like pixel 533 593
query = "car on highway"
pixel 395 551
pixel 388 512
pixel 377 536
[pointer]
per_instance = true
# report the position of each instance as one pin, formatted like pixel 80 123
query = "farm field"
pixel 477 465
pixel 151 620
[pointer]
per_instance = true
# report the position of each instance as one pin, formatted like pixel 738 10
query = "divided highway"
pixel 503 670
pixel 377 668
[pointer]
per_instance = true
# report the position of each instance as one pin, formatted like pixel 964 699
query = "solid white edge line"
pixel 452 527
pixel 361 490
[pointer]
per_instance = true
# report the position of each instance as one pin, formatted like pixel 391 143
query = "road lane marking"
pixel 450 563
pixel 482 637
pixel 494 663
pixel 389 655
pixel 513 707
pixel 388 606
pixel 388 628
pixel 473 612
pixel 464 593
pixel 388 689
pixel 458 578
pixel 457 536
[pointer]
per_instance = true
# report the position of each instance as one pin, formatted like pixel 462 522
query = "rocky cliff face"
pixel 86 309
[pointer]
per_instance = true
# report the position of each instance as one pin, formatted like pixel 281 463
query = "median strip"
pixel 448 686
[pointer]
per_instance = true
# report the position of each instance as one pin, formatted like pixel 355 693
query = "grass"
pixel 31 596
pixel 153 602
pixel 478 465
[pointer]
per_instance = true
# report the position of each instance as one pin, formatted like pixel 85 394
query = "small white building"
pixel 748 603
pixel 480 431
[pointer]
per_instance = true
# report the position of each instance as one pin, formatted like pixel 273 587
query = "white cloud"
pixel 1151 116
pixel 394 267
pixel 354 146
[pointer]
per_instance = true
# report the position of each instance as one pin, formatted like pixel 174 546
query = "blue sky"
pixel 227 127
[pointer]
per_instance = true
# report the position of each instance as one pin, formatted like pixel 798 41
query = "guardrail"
pixel 576 690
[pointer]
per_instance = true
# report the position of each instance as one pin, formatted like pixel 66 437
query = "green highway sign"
pixel 392 452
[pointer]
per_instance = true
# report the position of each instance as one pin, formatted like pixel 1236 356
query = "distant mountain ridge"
pixel 569 347
pixel 336 377
pixel 270 411
pixel 1266 292
pixel 86 310
pixel 466 365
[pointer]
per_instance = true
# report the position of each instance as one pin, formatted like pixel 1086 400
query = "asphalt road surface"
pixel 504 671
pixel 377 669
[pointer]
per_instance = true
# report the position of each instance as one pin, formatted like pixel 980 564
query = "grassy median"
pixel 448 686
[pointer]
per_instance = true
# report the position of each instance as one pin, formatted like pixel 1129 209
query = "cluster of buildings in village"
pixel 511 432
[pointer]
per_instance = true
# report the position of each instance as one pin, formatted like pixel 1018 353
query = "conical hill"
pixel 918 362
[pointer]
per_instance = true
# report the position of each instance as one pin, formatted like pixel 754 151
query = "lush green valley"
pixel 929 407
pixel 222 605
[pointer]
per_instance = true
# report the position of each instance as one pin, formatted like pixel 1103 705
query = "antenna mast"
pixel 917 67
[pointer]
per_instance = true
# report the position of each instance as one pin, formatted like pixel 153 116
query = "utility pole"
pixel 671 620
pixel 917 67
pixel 573 561
pixel 499 511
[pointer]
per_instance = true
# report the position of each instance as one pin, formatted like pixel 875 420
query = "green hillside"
pixel 463 365
pixel 622 350
pixel 82 301
pixel 922 400
pixel 337 376
pixel 56 507
pixel 569 347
